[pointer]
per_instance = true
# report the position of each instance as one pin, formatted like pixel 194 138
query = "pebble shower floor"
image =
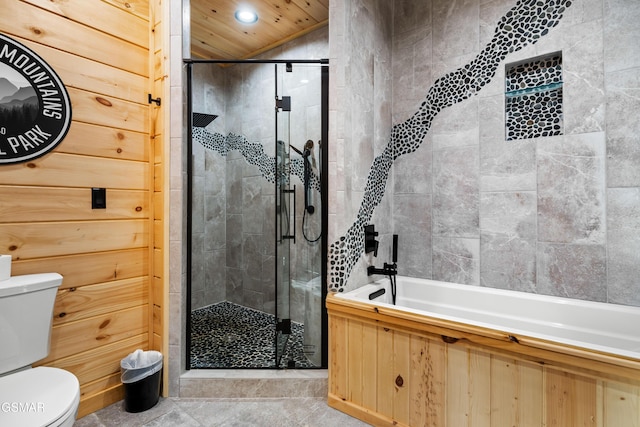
pixel 227 335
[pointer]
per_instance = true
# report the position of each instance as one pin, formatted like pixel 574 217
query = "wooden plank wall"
pixel 396 378
pixel 110 298
pixel 159 89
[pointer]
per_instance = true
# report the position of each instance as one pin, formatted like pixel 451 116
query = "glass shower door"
pixel 298 215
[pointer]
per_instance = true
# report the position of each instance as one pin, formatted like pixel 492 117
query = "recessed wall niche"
pixel 533 97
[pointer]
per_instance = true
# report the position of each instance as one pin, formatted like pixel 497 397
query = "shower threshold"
pixel 253 383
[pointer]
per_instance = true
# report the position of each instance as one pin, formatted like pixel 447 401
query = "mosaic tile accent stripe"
pixel 524 24
pixel 253 153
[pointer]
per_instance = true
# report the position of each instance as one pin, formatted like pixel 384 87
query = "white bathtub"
pixel 607 328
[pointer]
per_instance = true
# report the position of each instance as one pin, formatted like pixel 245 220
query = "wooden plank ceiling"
pixel 215 34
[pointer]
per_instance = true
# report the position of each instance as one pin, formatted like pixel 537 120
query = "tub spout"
pixel 387 270
pixel 390 270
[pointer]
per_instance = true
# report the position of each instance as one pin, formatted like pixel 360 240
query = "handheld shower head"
pixel 308 145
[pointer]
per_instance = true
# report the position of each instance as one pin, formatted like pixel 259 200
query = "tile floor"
pixel 174 412
pixel 228 335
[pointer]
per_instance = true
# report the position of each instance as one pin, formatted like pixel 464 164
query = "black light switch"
pixel 98 198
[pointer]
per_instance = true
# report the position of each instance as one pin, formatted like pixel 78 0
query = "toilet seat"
pixel 38 397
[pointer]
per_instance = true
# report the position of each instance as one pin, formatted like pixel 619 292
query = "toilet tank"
pixel 26 313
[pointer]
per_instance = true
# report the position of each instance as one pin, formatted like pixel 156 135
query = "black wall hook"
pixel 157 101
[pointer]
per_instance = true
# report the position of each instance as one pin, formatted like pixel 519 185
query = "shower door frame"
pixel 324 181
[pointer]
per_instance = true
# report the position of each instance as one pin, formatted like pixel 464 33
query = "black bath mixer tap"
pixel 372 245
pixel 386 270
pixel 390 270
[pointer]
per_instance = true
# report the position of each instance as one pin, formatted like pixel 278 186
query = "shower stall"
pixel 257 217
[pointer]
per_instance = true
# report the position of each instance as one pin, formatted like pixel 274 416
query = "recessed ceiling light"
pixel 246 16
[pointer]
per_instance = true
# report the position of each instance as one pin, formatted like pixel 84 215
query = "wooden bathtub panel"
pixel 401 377
pixel 436 397
pixel 503 391
pixel 419 382
pixel 385 376
pixel 354 361
pixel 575 359
pixel 570 400
pixel 530 408
pixel 516 392
pixel 479 383
pixel 467 384
pixel 467 381
pixel 621 400
pixel 338 362
pixel 457 369
pixel 369 364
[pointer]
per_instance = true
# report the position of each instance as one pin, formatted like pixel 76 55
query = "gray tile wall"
pixel 208 243
pixel 359 114
pixel 556 215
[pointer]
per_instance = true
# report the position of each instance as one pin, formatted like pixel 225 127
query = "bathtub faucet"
pixel 390 270
pixel 387 270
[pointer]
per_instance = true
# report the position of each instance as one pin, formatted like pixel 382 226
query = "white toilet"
pixel 41 396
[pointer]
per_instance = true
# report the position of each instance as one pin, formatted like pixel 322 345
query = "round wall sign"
pixel 35 110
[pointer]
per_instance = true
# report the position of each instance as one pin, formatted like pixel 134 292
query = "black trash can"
pixel 141 374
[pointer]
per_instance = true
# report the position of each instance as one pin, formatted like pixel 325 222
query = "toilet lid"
pixel 37 397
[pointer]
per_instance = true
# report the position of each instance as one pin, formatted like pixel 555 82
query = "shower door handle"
pixel 292 235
